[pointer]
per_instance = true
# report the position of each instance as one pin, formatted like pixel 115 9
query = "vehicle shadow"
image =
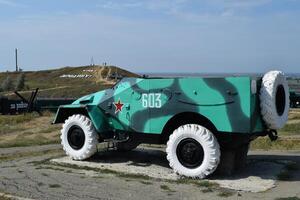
pixel 138 157
pixel 267 167
pixel 264 166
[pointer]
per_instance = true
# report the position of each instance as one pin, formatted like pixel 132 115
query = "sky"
pixel 202 36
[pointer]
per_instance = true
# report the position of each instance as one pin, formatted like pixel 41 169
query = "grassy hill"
pixel 67 82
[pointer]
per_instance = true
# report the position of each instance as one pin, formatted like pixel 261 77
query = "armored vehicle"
pixel 199 119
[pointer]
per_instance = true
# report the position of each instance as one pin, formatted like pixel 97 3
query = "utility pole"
pixel 92 62
pixel 16 54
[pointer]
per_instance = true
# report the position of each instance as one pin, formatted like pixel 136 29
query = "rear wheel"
pixel 193 151
pixel 79 137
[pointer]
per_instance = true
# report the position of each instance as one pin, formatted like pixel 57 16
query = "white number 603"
pixel 151 100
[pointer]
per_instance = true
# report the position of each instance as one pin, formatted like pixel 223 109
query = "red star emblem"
pixel 119 106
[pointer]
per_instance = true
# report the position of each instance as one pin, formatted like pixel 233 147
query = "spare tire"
pixel 274 99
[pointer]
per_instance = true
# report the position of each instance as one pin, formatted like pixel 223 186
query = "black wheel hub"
pixel 190 153
pixel 76 137
pixel 280 100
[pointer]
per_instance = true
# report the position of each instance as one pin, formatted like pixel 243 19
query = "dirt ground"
pixel 29 172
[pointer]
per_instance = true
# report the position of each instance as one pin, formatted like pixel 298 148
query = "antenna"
pixel 16 55
pixel 116 74
pixel 92 61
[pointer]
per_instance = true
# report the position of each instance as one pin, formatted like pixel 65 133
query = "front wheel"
pixel 193 151
pixel 79 137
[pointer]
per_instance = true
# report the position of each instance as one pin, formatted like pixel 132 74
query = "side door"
pixel 139 112
pixel 160 103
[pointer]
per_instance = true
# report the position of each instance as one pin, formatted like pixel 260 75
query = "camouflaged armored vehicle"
pixel 197 118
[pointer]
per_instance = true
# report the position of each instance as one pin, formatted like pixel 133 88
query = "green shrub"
pixel 7 84
pixel 20 82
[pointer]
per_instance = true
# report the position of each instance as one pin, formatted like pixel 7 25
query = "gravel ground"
pixel 259 176
pixel 36 177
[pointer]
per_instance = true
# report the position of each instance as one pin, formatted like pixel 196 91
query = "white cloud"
pixel 231 7
pixel 154 5
pixel 245 3
pixel 10 3
pixel 191 10
pixel 118 5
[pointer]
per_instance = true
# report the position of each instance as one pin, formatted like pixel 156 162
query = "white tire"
pixel 274 99
pixel 178 146
pixel 79 137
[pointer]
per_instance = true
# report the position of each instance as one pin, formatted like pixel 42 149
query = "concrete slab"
pixel 258 176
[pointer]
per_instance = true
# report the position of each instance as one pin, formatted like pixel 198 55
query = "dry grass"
pixel 226 193
pixel 288 198
pixel 291 128
pixel 4 197
pixel 281 144
pixel 289 135
pixel 166 188
pixel 30 154
pixel 293 125
pixel 54 186
pixel 28 130
pixel 51 83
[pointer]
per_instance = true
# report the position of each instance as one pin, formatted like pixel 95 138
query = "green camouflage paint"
pixel 146 105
